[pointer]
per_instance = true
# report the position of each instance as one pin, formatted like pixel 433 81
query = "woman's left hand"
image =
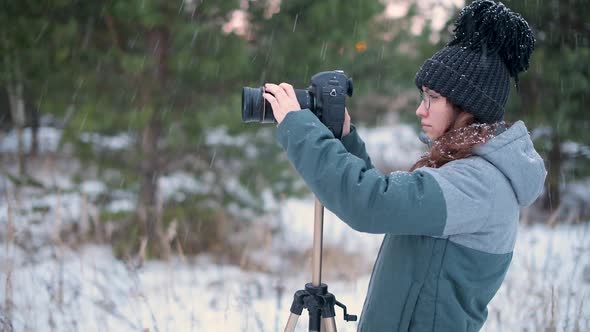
pixel 282 99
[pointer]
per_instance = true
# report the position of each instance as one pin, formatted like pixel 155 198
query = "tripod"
pixel 315 297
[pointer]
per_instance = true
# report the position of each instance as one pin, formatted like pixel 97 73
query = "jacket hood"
pixel 513 153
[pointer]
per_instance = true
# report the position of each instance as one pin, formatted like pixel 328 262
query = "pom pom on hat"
pixel 489 27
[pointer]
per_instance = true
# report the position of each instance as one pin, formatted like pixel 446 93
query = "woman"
pixel 450 223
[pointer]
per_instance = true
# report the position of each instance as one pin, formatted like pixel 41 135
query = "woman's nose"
pixel 421 111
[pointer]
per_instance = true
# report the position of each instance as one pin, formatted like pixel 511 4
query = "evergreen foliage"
pixel 554 92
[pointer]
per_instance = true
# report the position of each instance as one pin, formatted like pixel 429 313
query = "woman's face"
pixel 436 113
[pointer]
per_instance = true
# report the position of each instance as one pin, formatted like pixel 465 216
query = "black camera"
pixel 325 97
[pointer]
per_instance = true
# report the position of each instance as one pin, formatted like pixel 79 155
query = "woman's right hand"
pixel 346 126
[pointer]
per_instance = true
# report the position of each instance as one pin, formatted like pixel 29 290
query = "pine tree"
pixel 554 92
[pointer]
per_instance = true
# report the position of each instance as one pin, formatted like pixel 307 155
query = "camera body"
pixel 325 97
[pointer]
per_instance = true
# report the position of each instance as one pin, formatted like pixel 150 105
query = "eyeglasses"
pixel 426 98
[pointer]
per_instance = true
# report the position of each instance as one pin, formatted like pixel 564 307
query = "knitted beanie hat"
pixel 491 44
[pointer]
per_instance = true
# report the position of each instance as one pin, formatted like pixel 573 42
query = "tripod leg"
pixel 291 323
pixel 318 232
pixel 329 323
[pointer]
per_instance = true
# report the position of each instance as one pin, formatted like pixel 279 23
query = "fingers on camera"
pixel 288 89
pixel 271 99
pixel 278 89
pixel 272 88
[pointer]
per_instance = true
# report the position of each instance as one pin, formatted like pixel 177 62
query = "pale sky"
pixel 436 10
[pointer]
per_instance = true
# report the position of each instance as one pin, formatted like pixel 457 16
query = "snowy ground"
pixel 89 290
pixel 51 287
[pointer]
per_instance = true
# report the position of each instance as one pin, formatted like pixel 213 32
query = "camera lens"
pixel 254 107
pixel 257 109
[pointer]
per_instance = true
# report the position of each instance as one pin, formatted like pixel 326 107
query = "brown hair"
pixel 464 134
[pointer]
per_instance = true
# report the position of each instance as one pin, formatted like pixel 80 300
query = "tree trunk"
pixel 17 112
pixel 552 194
pixel 149 211
pixel 34 114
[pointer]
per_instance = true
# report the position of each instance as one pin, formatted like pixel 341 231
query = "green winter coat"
pixel 449 232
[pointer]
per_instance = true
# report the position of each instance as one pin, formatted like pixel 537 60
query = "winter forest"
pixel 134 198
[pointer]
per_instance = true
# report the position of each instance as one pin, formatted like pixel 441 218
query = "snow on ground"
pixel 113 142
pixel 396 148
pixel 548 282
pixel 48 140
pixel 90 290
